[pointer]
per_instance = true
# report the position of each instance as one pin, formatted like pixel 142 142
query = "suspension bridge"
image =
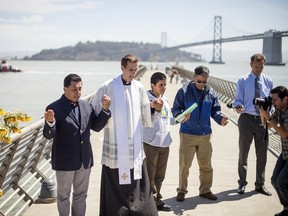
pixel 272 43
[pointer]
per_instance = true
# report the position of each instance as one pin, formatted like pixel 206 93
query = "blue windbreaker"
pixel 199 122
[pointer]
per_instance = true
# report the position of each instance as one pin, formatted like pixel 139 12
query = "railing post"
pixel 39 152
pixel 48 191
pixel 7 161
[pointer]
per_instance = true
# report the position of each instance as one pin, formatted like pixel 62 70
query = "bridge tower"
pixel 272 47
pixel 217 44
pixel 163 39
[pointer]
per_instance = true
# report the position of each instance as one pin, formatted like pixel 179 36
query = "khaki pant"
pixel 156 160
pixel 201 145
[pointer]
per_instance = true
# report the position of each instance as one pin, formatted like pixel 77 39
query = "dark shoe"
pixel 263 190
pixel 180 197
pixel 241 189
pixel 283 213
pixel 209 196
pixel 164 207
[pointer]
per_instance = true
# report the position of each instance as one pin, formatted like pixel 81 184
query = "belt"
pixel 253 116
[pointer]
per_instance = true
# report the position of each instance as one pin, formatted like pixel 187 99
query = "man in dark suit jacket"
pixel 68 121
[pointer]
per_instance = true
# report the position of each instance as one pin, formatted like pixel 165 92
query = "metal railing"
pixel 24 164
pixel 226 93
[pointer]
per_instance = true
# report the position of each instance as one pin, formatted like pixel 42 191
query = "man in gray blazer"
pixel 68 121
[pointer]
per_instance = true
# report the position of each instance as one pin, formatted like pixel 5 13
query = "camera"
pixel 263 102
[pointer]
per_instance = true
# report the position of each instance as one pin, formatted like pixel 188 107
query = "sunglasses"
pixel 200 81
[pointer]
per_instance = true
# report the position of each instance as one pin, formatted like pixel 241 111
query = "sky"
pixel 29 26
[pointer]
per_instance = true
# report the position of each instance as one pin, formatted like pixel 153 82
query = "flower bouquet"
pixel 9 124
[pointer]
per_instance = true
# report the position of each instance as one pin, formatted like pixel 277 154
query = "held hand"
pixel 106 101
pixel 187 117
pixel 239 109
pixel 224 121
pixel 264 113
pixel 157 104
pixel 184 118
pixel 49 116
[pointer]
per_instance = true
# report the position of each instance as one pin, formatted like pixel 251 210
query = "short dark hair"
pixel 128 58
pixel 281 91
pixel 258 57
pixel 156 77
pixel 202 70
pixel 71 78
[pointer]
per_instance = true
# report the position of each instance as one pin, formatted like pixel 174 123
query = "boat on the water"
pixel 4 67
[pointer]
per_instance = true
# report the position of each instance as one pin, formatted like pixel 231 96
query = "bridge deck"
pixel 225 147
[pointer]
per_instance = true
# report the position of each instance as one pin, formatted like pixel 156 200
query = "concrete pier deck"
pixel 224 162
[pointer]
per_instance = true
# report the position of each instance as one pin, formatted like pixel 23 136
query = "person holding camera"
pixel 249 122
pixel 279 121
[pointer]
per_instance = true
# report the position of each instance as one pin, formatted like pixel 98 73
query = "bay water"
pixel 41 82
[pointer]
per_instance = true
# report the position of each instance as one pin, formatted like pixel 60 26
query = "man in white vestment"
pixel 125 188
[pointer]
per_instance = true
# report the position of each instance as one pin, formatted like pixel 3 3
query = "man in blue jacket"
pixel 68 121
pixel 195 131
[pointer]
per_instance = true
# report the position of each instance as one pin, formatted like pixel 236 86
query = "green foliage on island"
pixel 113 51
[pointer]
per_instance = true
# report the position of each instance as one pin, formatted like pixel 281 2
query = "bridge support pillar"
pixel 272 47
pixel 217 44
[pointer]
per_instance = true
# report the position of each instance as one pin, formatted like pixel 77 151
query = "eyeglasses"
pixel 200 81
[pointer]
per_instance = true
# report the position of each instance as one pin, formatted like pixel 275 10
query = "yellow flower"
pixel 27 119
pixel 5 138
pixel 16 130
pixel 24 118
pixel 10 124
pixel 10 119
pixel 2 112
pixel 3 130
pixel 20 118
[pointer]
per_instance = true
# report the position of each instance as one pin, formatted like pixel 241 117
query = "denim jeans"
pixel 279 180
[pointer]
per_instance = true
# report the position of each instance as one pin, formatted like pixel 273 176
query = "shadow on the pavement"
pixel 191 203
